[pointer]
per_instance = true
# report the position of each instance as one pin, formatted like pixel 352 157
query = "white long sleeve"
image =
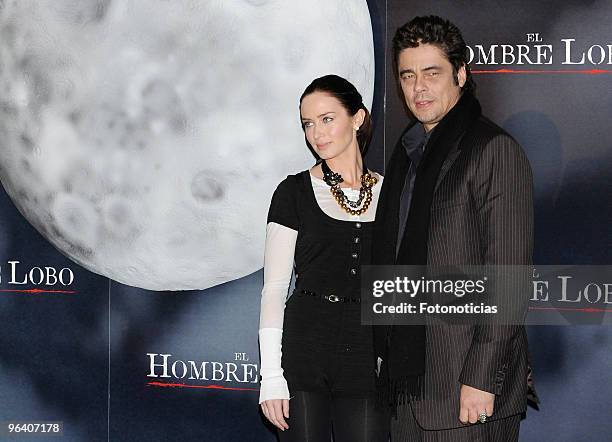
pixel 273 383
pixel 278 268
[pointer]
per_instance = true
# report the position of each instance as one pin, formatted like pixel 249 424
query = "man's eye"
pixel 407 77
pixel 434 74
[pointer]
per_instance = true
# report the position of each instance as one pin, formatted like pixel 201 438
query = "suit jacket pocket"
pixel 448 204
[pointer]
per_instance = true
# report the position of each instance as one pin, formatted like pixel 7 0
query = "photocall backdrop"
pixel 147 149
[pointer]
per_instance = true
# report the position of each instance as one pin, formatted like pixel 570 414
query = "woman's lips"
pixel 323 145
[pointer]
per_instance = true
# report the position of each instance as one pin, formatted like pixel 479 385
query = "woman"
pixel 321 219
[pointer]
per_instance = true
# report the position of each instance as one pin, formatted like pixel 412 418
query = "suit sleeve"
pixel 503 191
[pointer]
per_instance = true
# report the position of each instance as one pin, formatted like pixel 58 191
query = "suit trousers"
pixel 406 429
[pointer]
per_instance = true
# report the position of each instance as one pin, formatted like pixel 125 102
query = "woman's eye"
pixel 306 124
pixel 327 119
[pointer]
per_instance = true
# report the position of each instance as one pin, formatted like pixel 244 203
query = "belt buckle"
pixel 333 298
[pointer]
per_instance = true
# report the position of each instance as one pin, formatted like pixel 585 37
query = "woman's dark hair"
pixel 441 33
pixel 344 91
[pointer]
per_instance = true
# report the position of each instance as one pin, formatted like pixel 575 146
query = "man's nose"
pixel 419 84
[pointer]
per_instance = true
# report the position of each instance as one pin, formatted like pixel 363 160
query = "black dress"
pixel 325 347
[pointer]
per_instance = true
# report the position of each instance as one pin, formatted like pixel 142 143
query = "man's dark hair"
pixel 438 32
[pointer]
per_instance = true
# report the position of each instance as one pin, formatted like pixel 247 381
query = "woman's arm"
pixel 278 266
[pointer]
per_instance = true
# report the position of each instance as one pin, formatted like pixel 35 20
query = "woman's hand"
pixel 276 410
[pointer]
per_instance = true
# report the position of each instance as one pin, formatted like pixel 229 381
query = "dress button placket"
pixel 356 249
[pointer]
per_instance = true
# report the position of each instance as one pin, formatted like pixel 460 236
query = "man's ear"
pixel 461 76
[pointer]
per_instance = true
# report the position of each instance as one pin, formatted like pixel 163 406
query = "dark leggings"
pixel 313 417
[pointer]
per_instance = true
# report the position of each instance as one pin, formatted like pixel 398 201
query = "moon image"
pixel 144 138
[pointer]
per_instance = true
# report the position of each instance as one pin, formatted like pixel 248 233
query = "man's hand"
pixel 474 402
pixel 276 410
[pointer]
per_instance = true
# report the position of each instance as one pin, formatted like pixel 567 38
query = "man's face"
pixel 426 77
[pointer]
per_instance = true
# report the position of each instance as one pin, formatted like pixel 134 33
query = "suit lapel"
pixel 448 163
pixel 451 130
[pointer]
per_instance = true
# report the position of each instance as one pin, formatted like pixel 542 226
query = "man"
pixel 457 191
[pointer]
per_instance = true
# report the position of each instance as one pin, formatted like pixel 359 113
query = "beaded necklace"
pixel 334 179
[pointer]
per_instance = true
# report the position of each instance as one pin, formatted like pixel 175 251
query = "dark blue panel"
pixel 211 327
pixel 53 346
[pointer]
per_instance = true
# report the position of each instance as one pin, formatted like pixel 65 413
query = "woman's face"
pixel 329 128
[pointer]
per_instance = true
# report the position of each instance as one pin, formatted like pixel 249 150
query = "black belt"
pixel 329 297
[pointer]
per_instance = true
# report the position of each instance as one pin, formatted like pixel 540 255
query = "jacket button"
pixel 356 240
pixel 355 255
pixel 353 271
pixel 358 225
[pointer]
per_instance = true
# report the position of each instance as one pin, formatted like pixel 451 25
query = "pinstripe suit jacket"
pixel 482 213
